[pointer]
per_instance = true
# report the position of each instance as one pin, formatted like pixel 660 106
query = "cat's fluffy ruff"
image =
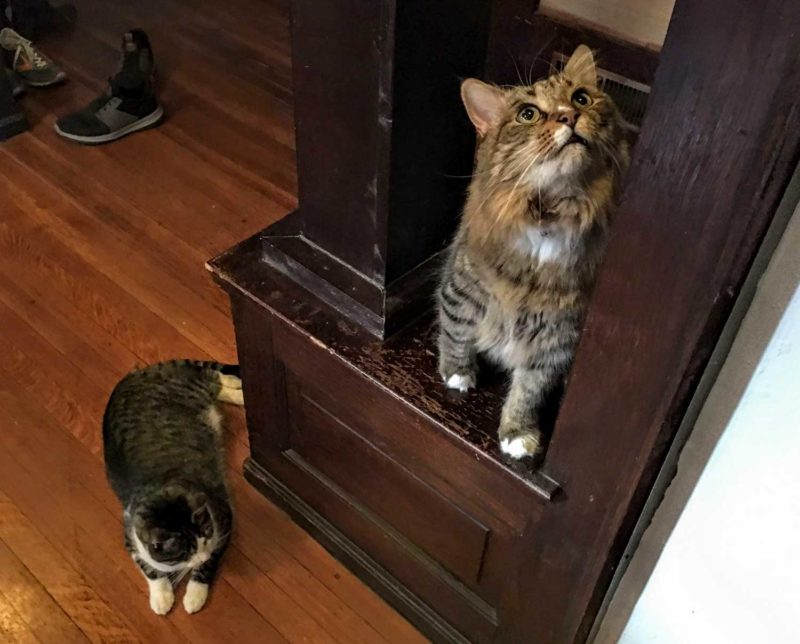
pixel 518 276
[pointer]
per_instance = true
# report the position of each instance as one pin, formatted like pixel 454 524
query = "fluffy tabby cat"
pixel 163 454
pixel 519 272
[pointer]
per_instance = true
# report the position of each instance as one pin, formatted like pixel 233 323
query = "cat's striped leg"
pixel 459 313
pixel 519 432
pixel 200 580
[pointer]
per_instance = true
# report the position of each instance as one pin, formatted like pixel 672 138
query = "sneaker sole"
pixel 151 120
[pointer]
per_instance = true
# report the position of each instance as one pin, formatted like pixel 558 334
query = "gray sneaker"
pixel 129 105
pixel 31 65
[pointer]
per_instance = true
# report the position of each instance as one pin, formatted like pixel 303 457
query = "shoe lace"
pixel 26 49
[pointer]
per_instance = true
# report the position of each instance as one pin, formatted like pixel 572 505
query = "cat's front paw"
pixel 519 443
pixel 458 375
pixel 161 595
pixel 462 382
pixel 195 597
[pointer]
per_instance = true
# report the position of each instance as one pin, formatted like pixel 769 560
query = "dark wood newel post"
pixel 382 147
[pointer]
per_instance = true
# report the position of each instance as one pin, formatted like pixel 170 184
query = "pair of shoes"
pixel 127 106
pixel 31 65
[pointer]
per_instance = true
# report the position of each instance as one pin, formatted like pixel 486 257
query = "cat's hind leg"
pixel 230 389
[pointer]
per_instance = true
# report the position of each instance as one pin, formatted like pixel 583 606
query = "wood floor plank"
pixel 281 571
pixel 79 512
pixel 69 588
pixel 44 617
pixel 326 570
pixel 102 253
pixel 36 255
pixel 13 629
pixel 100 248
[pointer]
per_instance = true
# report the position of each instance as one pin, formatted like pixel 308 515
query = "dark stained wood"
pixel 392 465
pixel 408 505
pixel 101 269
pixel 383 145
pixel 523 42
pixel 405 364
pixel 707 176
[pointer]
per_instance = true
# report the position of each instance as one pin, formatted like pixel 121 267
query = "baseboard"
pixel 361 564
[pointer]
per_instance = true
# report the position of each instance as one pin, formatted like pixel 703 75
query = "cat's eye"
pixel 528 114
pixel 581 98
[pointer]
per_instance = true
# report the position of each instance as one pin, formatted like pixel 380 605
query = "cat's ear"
pixel 485 104
pixel 198 503
pixel 201 517
pixel 580 68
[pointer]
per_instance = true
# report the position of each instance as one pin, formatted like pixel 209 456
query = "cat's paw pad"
pixel 521 445
pixel 161 596
pixel 460 382
pixel 195 597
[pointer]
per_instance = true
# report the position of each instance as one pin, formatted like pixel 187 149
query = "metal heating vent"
pixel 630 96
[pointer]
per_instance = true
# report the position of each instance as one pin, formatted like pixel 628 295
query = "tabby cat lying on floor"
pixel 164 461
pixel 550 160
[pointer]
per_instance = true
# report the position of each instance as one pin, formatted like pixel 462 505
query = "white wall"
pixel 643 22
pixel 729 571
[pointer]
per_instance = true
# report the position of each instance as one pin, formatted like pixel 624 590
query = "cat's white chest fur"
pixel 545 246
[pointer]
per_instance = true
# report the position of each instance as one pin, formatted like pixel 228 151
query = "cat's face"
pixel 173 530
pixel 545 136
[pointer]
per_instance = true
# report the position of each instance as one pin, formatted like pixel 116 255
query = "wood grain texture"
pixel 708 174
pixel 101 269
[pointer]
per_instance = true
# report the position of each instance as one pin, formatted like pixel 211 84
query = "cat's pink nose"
pixel 569 117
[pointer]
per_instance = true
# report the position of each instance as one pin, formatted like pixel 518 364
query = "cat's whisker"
pixel 516 67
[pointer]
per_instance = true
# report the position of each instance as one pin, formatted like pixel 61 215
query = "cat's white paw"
pixel 230 382
pixel 232 396
pixel 161 595
pixel 195 597
pixel 461 382
pixel 520 446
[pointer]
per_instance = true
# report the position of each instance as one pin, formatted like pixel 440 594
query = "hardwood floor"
pixel 101 269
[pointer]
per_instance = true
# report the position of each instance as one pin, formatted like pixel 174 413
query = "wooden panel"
pixel 401 430
pixel 428 519
pixel 702 190
pixel 523 42
pixel 641 23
